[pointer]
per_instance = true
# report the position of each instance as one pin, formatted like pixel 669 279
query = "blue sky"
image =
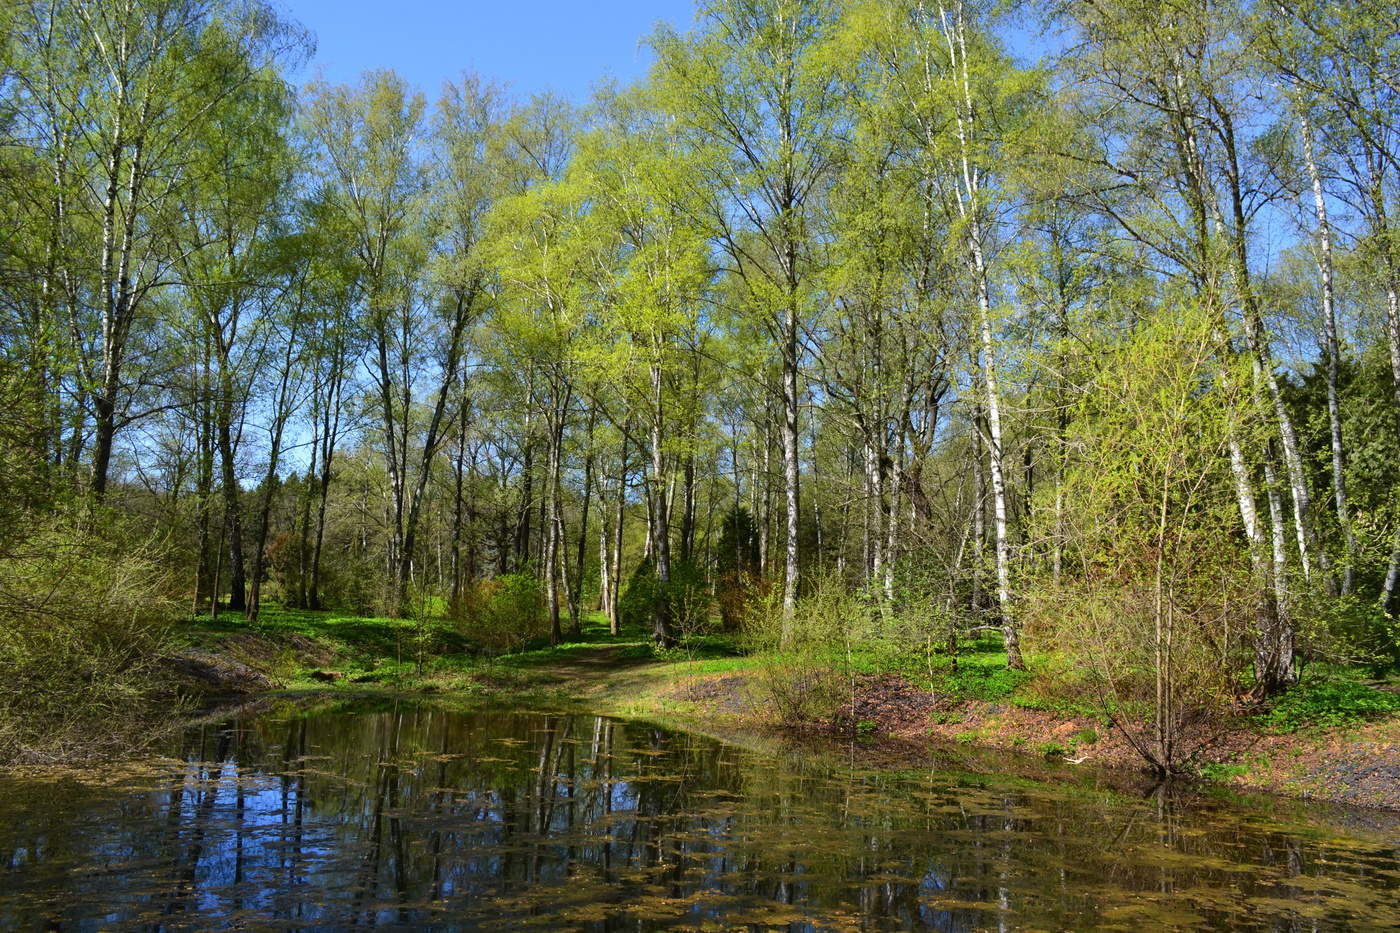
pixel 531 45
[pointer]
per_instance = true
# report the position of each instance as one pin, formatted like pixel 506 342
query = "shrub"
pixel 1085 737
pixel 638 600
pixel 736 565
pixel 1350 629
pixel 804 669
pixel 1157 614
pixel 84 622
pixel 504 613
pixel 687 596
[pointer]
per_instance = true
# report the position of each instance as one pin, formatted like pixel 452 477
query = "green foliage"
pixel 508 613
pixel 687 597
pixel 983 677
pixel 636 608
pixel 291 644
pixel 1327 700
pixel 736 565
pixel 847 219
pixel 1164 582
pixel 1354 629
pixel 84 623
pixel 804 661
pixel 23 481
pixel 1220 771
pixel 699 647
pixel 645 651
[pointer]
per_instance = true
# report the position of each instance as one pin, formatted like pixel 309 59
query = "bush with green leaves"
pixel 85 619
pixel 1351 629
pixel 505 613
pixel 736 565
pixel 687 595
pixel 805 658
pixel 1157 608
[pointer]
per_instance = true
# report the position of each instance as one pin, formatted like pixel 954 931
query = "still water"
pixel 426 819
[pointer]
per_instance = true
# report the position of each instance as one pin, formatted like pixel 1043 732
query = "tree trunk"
pixel 791 469
pixel 281 412
pixel 604 575
pixel 553 518
pixel 304 534
pixel 614 616
pixel 1268 677
pixel 874 512
pixel 576 590
pixel 1257 338
pixel 455 600
pixel 204 483
pixel 1275 664
pixel 1380 221
pixel 1334 408
pixel 660 527
pixel 971 210
pixel 979 515
pixel 328 436
pixel 233 519
pixel 688 504
pixel 765 492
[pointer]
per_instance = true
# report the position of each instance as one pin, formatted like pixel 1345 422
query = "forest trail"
pixel 592 664
pixel 602 671
pixel 620 679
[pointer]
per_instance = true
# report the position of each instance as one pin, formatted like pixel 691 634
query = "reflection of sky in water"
pixel 425 817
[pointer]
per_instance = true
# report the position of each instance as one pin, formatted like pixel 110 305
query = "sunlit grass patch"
pixel 1329 698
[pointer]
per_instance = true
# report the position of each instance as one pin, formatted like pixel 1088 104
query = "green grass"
pixel 369 635
pixel 296 646
pixel 722 665
pixel 1327 698
pixel 320 649
pixel 703 647
pixel 981 676
pixel 1223 772
pixel 984 676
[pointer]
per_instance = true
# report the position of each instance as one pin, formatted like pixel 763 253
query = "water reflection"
pixel 428 819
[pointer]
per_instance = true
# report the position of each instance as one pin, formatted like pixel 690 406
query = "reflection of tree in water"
pixel 408 816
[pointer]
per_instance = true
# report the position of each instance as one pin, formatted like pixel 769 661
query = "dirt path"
pixel 600 673
pixel 591 664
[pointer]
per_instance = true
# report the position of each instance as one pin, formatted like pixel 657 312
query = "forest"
pixel 857 326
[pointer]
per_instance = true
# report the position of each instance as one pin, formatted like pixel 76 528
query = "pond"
pixel 422 818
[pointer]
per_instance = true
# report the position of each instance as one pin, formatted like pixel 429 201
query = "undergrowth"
pixel 1327 699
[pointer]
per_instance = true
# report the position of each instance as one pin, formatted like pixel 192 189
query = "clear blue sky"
pixel 530 45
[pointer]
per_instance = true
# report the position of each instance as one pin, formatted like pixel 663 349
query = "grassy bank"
pixel 296 651
pixel 1332 738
